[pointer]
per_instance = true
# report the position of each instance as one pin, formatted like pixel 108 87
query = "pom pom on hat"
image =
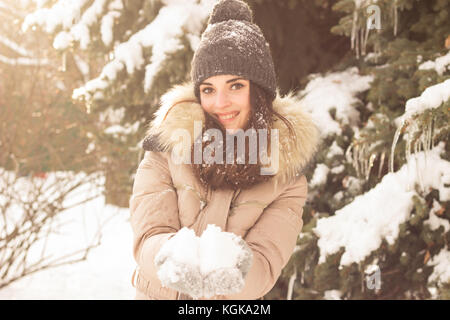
pixel 226 10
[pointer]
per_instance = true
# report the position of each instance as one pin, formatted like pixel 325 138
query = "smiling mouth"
pixel 227 117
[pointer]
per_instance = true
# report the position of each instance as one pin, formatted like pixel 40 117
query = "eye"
pixel 237 86
pixel 207 90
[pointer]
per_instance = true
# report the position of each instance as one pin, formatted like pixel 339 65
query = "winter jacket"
pixel 167 196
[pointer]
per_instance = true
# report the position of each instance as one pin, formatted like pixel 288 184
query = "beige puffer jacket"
pixel 167 196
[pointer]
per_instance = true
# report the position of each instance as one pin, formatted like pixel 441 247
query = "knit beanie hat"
pixel 233 44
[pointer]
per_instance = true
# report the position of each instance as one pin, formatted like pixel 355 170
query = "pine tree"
pixel 401 116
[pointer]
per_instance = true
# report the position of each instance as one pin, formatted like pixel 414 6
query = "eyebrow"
pixel 228 81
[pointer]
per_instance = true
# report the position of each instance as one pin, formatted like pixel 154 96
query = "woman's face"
pixel 227 98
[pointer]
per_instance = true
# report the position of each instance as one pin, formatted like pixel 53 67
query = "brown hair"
pixel 240 176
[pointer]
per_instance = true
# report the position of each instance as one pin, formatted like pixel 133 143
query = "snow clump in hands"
pixel 214 264
pixel 225 260
pixel 177 263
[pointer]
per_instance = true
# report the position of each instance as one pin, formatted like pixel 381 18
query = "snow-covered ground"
pixel 106 274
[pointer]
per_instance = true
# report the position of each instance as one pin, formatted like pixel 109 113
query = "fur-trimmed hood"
pixel 179 109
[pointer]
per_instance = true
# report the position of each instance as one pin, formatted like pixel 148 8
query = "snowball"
pixel 218 249
pixel 214 251
pixel 183 247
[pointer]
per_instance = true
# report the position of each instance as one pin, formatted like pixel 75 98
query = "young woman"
pixel 185 182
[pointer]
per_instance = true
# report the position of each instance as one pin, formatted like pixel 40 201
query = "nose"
pixel 222 100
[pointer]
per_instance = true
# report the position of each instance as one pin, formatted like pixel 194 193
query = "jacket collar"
pixel 179 109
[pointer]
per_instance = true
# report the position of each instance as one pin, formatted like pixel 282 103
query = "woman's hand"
pixel 182 277
pixel 177 263
pixel 214 264
pixel 222 282
pixel 225 262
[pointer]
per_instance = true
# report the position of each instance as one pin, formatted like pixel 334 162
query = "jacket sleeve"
pixel 273 239
pixel 153 210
